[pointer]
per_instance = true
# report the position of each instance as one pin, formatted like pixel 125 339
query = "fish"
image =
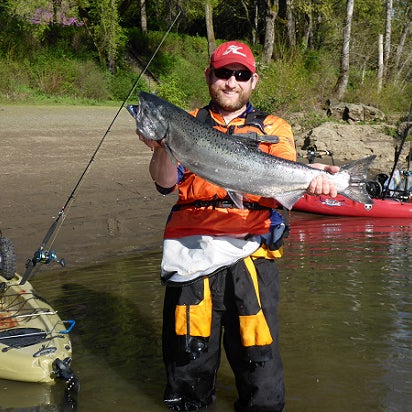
pixel 235 162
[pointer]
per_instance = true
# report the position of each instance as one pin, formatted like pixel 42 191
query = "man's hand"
pixel 148 142
pixel 321 185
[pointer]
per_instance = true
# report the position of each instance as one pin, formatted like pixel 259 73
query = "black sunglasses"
pixel 226 74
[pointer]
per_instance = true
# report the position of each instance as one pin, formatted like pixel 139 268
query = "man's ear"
pixel 254 80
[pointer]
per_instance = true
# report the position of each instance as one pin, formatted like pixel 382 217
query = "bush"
pixel 170 90
pixel 296 84
pixel 300 81
pixel 90 82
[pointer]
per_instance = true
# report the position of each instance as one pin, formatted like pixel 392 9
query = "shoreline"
pixel 116 210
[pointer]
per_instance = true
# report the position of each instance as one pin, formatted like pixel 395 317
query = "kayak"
pixel 342 206
pixel 34 341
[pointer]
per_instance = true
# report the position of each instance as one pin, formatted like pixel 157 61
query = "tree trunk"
pixel 388 29
pixel 57 10
pixel 211 41
pixel 342 82
pixel 290 23
pixel 401 45
pixel 112 44
pixel 252 20
pixel 255 23
pixel 380 62
pixel 308 29
pixel 272 7
pixel 143 17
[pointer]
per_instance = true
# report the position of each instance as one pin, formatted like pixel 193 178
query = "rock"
pixel 371 113
pixel 355 112
pixel 348 142
pixel 404 127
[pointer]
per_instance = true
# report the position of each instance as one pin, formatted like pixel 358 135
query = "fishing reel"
pixel 313 153
pixel 45 257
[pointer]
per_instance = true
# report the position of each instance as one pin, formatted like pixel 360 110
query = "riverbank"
pixel 116 210
pixel 44 151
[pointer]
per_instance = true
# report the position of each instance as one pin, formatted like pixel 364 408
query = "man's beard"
pixel 232 105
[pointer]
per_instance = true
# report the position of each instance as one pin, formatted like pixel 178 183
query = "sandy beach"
pixel 44 151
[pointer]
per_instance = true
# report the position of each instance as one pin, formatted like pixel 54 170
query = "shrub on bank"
pixel 301 81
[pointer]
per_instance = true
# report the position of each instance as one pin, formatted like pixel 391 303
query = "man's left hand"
pixel 321 185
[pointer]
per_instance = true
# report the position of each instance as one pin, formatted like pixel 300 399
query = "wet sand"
pixel 44 151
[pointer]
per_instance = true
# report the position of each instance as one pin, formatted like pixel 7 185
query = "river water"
pixel 345 313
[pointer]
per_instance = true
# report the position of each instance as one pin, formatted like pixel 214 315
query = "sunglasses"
pixel 226 74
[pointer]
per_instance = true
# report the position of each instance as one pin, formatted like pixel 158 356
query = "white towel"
pixel 190 257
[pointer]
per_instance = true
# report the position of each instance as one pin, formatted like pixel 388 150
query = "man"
pixel 218 257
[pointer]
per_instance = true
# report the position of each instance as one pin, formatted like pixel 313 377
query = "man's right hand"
pixel 148 142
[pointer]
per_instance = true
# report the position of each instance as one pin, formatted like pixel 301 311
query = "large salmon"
pixel 236 163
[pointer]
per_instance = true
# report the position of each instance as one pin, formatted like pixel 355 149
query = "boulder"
pixel 352 112
pixel 348 142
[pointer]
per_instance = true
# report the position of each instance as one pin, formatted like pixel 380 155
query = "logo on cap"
pixel 234 49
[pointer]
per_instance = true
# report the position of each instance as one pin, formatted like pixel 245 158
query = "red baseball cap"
pixel 233 52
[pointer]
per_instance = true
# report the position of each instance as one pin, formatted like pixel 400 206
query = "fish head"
pixel 150 122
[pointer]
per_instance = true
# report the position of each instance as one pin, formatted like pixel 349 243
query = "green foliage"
pixel 105 29
pixel 46 76
pixel 63 63
pixel 170 89
pixel 121 83
pixel 394 96
pixel 298 84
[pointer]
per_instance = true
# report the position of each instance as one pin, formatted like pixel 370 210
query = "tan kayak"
pixel 34 341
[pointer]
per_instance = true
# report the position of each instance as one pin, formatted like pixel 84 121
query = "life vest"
pixel 187 218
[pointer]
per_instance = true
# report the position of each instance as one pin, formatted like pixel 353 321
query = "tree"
pixel 44 13
pixel 343 78
pixel 252 18
pixel 308 29
pixel 211 42
pixel 271 13
pixel 401 46
pixel 104 24
pixel 143 17
pixel 388 32
pixel 380 62
pixel 290 24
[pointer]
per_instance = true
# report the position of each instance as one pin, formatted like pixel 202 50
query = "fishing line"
pixel 46 256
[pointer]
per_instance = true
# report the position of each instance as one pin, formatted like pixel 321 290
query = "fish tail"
pixel 357 182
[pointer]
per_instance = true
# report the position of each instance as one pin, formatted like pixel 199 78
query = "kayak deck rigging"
pixel 34 340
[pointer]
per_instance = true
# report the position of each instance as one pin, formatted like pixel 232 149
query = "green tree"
pixel 102 19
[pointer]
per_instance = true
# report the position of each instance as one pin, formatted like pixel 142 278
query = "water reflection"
pixel 346 324
pixel 346 314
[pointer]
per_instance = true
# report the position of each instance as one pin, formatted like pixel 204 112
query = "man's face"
pixel 230 94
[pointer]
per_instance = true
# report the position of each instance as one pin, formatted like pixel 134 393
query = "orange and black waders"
pixel 239 303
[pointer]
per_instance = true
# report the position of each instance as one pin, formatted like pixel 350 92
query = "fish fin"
pixel 253 138
pixel 357 170
pixel 246 142
pixel 237 198
pixel 288 199
pixel 358 194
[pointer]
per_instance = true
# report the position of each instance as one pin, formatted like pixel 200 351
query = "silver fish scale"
pixel 232 162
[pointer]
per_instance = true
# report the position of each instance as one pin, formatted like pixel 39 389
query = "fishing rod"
pixel 399 151
pixel 44 255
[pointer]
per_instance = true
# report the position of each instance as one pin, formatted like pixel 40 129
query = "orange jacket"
pixel 190 220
